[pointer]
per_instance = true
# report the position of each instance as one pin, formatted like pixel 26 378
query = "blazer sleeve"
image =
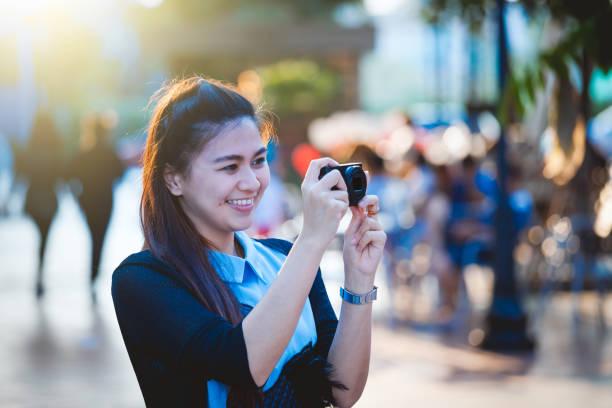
pixel 164 325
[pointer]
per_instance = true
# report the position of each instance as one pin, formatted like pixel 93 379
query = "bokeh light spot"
pixel 151 3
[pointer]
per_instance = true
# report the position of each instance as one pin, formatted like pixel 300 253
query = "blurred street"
pixel 485 130
pixel 62 352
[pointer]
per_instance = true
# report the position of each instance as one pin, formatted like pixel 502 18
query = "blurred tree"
pixel 180 11
pixel 584 29
pixel 294 87
pixel 291 87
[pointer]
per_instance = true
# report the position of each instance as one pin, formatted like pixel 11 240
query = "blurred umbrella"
pixel 345 128
pixel 301 157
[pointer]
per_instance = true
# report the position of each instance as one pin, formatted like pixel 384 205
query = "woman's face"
pixel 224 182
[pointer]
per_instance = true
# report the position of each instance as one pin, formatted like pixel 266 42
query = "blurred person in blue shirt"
pixel 396 212
pixel 470 226
pixel 474 200
pixel 391 191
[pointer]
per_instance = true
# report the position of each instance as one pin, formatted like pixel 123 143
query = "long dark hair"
pixel 188 114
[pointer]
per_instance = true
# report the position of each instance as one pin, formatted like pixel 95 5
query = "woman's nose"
pixel 249 181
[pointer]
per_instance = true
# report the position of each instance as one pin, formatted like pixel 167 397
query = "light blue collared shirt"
pixel 249 278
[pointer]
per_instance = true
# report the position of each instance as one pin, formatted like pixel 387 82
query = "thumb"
pixel 355 223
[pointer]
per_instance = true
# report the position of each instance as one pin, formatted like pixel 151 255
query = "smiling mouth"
pixel 247 202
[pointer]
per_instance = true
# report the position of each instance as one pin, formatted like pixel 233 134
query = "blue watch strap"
pixel 356 299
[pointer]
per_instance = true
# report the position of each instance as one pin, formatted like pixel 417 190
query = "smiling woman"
pixel 213 318
pixel 234 169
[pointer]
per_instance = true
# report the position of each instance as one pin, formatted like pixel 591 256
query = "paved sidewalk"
pixel 62 353
pixel 571 368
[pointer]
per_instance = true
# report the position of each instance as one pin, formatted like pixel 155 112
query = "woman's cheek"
pixel 265 178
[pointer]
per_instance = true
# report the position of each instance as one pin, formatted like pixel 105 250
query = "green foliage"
pixel 519 95
pixel 587 29
pixel 588 35
pixel 299 87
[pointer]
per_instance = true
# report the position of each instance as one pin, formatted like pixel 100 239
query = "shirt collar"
pixel 231 268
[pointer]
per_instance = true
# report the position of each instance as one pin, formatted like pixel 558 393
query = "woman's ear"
pixel 174 181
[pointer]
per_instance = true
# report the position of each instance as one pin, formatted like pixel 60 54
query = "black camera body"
pixel 354 178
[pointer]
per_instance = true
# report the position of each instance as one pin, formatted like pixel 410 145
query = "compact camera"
pixel 354 178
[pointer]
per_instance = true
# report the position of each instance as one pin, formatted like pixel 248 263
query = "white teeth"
pixel 241 202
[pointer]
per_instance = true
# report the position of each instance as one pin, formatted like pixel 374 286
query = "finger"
pixel 314 169
pixel 369 224
pixel 331 180
pixel 338 207
pixel 376 238
pixel 355 223
pixel 339 195
pixel 368 202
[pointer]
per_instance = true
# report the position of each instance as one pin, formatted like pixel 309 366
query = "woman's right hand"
pixel 323 207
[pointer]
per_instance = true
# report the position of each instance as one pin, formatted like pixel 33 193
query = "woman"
pixel 213 318
pixel 41 163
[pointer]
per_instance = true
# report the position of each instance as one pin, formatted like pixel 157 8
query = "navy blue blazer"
pixel 175 344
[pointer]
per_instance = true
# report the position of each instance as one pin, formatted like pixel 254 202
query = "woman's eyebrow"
pixel 260 151
pixel 237 157
pixel 229 157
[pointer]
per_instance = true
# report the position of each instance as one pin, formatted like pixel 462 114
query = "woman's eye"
pixel 230 167
pixel 259 161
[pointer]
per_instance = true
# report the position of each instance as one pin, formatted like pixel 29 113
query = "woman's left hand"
pixel 364 241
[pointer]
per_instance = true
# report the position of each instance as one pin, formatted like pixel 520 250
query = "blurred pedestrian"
pixel 470 232
pixel 211 317
pixel 391 191
pixel 394 202
pixel 436 215
pixel 6 173
pixel 41 164
pixel 96 167
pixel 273 209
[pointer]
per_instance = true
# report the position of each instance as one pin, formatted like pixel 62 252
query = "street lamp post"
pixel 506 322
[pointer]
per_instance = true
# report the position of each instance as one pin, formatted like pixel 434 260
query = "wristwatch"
pixel 355 299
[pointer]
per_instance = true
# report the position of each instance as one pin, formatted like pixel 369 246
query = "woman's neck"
pixel 238 249
pixel 229 245
pixel 225 244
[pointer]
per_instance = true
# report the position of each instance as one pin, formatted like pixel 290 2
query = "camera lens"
pixel 354 176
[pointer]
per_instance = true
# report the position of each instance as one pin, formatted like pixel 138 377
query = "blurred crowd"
pixel 439 192
pixel 43 169
pixel 438 188
pixel 439 219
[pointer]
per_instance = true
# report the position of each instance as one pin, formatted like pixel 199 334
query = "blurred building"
pixel 225 48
